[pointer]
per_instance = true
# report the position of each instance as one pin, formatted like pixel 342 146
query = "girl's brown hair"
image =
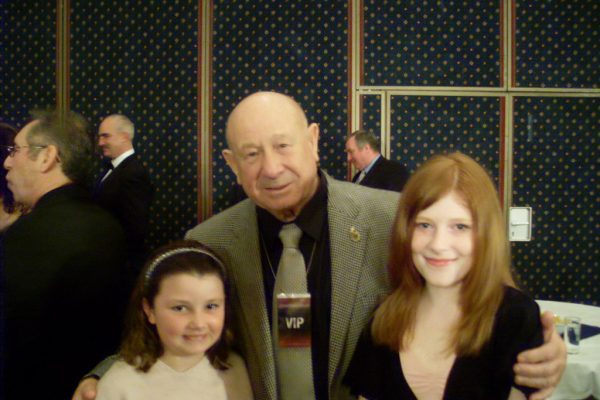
pixel 141 345
pixel 483 286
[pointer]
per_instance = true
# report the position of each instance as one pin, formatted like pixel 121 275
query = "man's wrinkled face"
pixel 274 155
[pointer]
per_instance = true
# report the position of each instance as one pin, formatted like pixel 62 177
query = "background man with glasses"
pixel 63 262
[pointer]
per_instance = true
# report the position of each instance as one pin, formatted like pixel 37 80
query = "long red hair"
pixel 483 286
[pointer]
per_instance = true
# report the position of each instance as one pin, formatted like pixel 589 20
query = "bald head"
pixel 273 152
pixel 261 103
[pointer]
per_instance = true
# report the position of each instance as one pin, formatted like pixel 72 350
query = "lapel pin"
pixel 354 235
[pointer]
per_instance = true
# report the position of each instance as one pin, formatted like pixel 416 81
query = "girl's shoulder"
pixel 517 303
pixel 120 369
pixel 119 379
pixel 518 319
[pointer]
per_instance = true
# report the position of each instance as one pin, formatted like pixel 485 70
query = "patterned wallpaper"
pixel 140 59
pixel 298 48
pixel 431 43
pixel 423 126
pixel 557 43
pixel 371 112
pixel 556 154
pixel 27 58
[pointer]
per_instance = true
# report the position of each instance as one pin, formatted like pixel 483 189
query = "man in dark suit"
pixel 63 262
pixel 125 188
pixel 374 170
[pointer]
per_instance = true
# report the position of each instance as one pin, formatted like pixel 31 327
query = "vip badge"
pixel 293 312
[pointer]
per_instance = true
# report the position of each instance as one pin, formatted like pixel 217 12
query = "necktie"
pixel 293 364
pixel 361 176
pixel 108 167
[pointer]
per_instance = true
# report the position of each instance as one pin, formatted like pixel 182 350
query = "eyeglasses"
pixel 12 150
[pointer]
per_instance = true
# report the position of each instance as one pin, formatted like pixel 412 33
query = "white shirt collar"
pixel 368 167
pixel 116 161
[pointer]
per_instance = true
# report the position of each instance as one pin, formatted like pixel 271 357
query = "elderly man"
pixel 125 188
pixel 62 262
pixel 344 236
pixel 374 170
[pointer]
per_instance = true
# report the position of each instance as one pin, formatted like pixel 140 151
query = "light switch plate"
pixel 519 225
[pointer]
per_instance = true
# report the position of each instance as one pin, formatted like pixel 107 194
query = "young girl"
pixel 174 346
pixel 454 324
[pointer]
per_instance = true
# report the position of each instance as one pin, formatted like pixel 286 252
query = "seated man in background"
pixel 62 262
pixel 374 170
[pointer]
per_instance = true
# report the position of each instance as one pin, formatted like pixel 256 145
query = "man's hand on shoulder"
pixel 543 366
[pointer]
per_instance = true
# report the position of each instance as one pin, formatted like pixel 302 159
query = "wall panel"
pixel 556 155
pixel 557 44
pixel 425 125
pixel 27 58
pixel 432 43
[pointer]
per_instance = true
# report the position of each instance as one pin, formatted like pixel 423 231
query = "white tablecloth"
pixel 582 375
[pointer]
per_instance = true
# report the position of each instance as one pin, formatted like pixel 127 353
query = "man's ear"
pixel 149 311
pixel 232 162
pixel 48 158
pixel 313 137
pixel 123 137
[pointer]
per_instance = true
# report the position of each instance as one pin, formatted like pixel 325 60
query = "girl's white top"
pixel 201 382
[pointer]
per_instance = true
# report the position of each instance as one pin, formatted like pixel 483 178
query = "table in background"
pixel 582 375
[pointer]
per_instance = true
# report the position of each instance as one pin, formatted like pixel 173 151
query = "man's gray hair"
pixel 364 137
pixel 124 124
pixel 70 134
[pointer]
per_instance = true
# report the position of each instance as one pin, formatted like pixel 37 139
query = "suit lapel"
pixel 348 237
pixel 102 184
pixel 372 172
pixel 248 280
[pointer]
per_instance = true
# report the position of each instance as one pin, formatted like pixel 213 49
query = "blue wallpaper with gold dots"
pixel 27 58
pixel 432 43
pixel 425 125
pixel 140 59
pixel 557 43
pixel 371 113
pixel 298 48
pixel 556 153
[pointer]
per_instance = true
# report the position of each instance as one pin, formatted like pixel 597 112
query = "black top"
pixel 376 373
pixel 385 174
pixel 314 224
pixel 64 293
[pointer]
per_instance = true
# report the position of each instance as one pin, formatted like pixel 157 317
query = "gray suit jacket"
pixel 360 222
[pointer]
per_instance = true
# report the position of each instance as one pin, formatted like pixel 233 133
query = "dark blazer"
pixel 64 293
pixel 360 221
pixel 127 193
pixel 385 174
